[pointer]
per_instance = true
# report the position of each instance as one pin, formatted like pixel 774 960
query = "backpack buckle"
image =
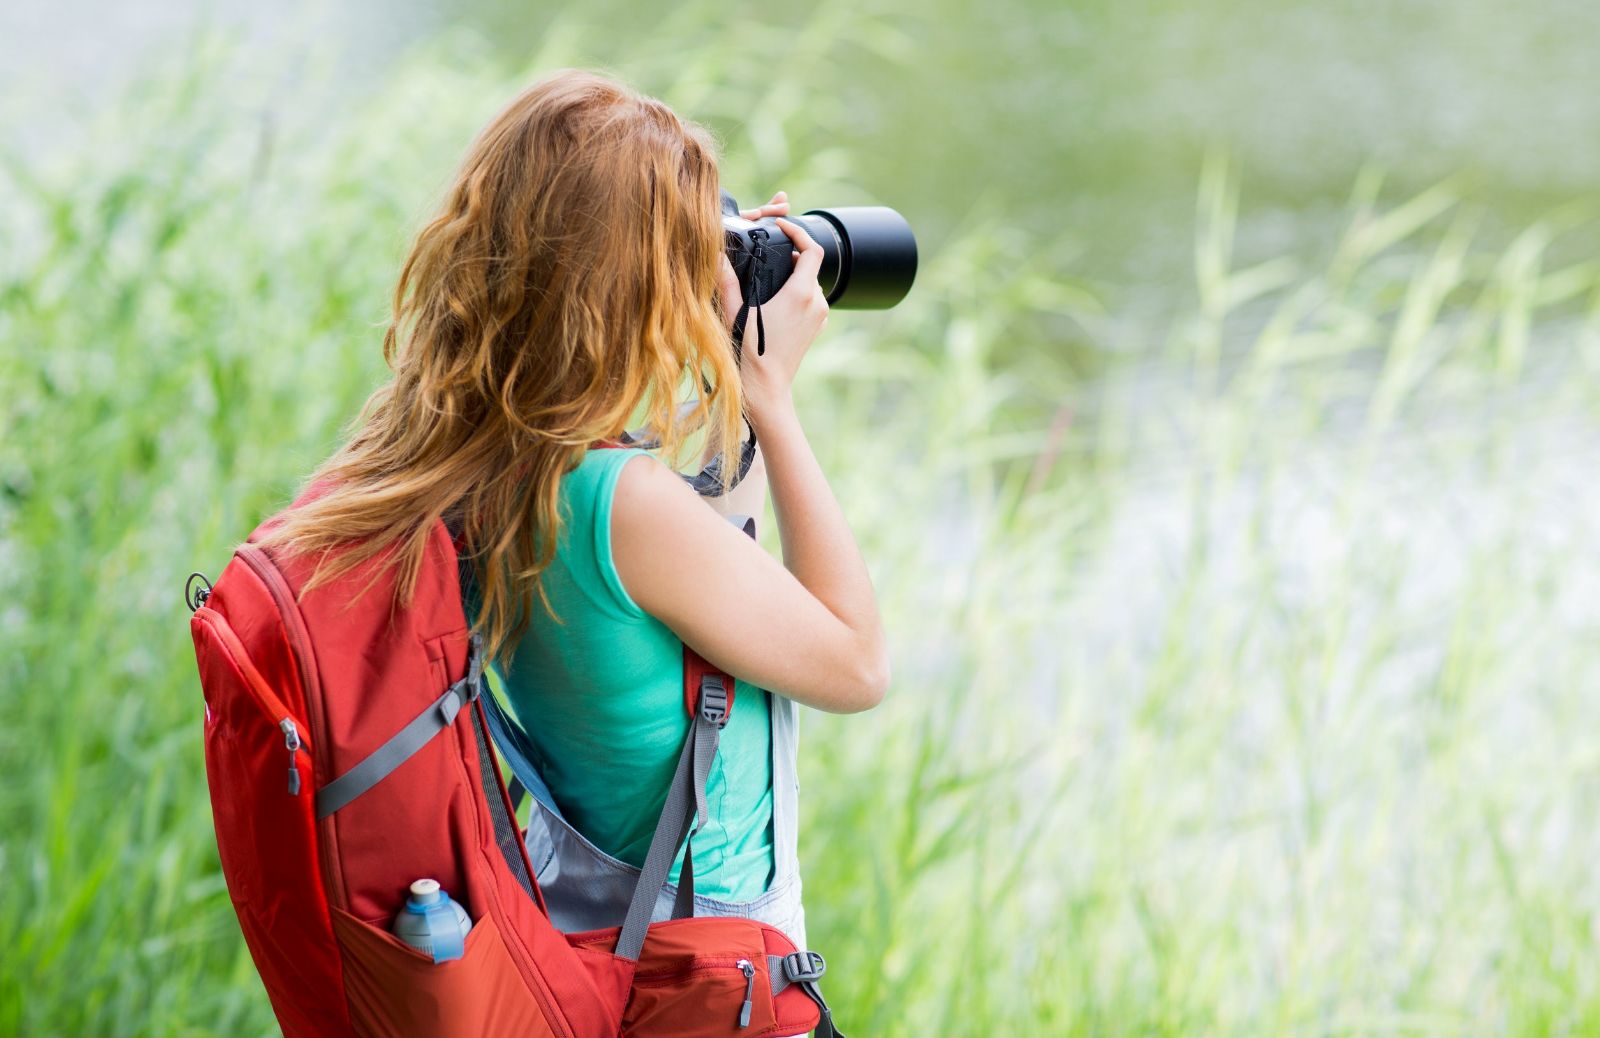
pixel 713 700
pixel 804 965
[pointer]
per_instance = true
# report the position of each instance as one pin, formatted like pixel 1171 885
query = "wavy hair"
pixel 568 286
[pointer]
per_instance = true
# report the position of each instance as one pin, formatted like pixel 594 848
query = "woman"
pixel 575 283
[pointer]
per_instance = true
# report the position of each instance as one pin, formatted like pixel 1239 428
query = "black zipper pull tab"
pixel 749 971
pixel 291 741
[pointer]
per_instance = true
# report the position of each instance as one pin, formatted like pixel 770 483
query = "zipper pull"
pixel 291 740
pixel 749 971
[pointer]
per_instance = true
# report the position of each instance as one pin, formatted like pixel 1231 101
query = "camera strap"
pixel 757 283
pixel 708 482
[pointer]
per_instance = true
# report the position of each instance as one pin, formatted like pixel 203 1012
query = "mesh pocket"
pixel 396 991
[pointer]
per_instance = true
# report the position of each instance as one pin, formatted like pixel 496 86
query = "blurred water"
pixel 1082 123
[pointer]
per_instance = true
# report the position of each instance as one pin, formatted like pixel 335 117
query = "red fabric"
pixel 398 991
pixel 266 838
pixel 694 669
pixel 689 984
pixel 315 898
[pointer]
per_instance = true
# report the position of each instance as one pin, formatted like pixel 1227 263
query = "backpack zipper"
pixel 678 973
pixel 294 629
pixel 291 739
pixel 749 970
pixel 260 691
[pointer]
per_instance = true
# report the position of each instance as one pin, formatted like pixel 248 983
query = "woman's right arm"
pixel 808 628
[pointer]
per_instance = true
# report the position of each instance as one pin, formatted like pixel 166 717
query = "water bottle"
pixel 432 923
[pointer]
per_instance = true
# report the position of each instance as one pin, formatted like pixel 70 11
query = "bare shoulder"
pixel 668 545
pixel 656 516
pixel 648 495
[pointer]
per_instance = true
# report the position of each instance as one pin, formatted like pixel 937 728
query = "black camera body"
pixel 869 255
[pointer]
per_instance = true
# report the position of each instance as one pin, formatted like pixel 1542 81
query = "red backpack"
pixel 348 754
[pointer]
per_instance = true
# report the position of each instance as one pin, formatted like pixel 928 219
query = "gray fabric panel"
pixel 506 836
pixel 777 974
pixel 587 889
pixel 517 751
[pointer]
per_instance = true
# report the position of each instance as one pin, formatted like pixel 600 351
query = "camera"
pixel 869 259
pixel 869 255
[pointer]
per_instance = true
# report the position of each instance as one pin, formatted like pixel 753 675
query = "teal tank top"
pixel 601 696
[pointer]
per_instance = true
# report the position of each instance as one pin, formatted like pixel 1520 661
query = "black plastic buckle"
pixel 713 700
pixel 804 965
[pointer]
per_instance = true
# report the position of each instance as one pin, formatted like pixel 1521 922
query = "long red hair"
pixel 568 286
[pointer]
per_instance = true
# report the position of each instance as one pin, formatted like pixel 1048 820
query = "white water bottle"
pixel 432 923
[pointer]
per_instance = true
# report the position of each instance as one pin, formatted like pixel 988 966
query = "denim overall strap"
pixel 789 913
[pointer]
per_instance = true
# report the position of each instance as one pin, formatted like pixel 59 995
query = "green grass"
pixel 1242 671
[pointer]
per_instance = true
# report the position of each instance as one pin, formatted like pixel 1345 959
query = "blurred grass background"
pixel 1227 480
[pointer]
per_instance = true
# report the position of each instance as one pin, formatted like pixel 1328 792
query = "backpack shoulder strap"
pixel 683 813
pixel 708 699
pixel 697 675
pixel 708 696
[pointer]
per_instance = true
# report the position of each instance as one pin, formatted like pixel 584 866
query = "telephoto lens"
pixel 869 255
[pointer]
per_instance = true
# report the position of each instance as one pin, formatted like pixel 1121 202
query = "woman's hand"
pixel 779 206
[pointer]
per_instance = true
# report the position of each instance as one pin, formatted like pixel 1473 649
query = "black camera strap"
pixel 708 482
pixel 756 283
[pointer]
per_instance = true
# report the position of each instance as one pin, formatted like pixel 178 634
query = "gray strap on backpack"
pixel 707 737
pixel 686 802
pixel 400 747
